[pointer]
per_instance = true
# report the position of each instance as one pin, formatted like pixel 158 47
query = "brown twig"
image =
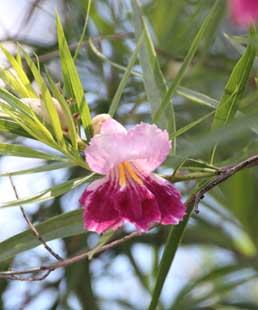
pixel 47 269
pixel 32 227
pixel 223 174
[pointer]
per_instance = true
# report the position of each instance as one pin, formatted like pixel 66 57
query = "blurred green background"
pixel 216 265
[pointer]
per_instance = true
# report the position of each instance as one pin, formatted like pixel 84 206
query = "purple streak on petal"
pixel 100 212
pixel 243 12
pixel 145 144
pixel 138 205
pixel 168 198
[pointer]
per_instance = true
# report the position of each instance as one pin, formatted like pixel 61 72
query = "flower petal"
pixel 111 126
pixel 145 144
pixel 243 12
pixel 138 205
pixel 149 146
pixel 100 212
pixel 168 198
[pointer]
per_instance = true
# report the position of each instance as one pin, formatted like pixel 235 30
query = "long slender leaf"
pixel 37 169
pixel 67 112
pixel 76 53
pixel 61 226
pixel 229 102
pixel 49 193
pixel 115 102
pixel 191 52
pixel 187 93
pixel 28 119
pixel 173 241
pixel 7 125
pixel 154 81
pixel 25 151
pixel 17 66
pixel 46 100
pixel 235 86
pixel 189 126
pixel 72 81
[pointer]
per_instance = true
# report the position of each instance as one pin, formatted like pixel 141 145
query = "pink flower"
pixel 243 12
pixel 129 191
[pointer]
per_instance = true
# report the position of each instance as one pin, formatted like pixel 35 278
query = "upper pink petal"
pixel 145 144
pixel 149 146
pixel 243 12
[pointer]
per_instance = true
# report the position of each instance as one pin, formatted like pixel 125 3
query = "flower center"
pixel 127 173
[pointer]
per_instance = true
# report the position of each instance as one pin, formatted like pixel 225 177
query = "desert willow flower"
pixel 129 191
pixel 243 12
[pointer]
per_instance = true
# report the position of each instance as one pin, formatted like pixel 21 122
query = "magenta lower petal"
pixel 168 199
pixel 138 205
pixel 100 211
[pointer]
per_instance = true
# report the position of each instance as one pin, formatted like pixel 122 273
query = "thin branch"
pixel 223 175
pixel 15 275
pixel 32 227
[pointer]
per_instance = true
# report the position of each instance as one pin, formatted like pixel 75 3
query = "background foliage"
pixel 184 66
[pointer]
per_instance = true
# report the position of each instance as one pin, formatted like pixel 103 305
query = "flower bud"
pixel 97 121
pixel 39 108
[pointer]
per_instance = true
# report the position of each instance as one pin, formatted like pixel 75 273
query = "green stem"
pixel 173 241
pixel 191 176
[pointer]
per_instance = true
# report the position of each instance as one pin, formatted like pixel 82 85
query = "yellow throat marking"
pixel 125 169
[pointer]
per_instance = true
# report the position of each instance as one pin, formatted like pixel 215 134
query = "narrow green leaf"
pixel 235 86
pixel 66 110
pixel 7 125
pixel 188 58
pixel 83 32
pixel 154 81
pixel 25 151
pixel 47 100
pixel 14 83
pixel 173 241
pixel 229 102
pixel 60 226
pixel 17 66
pixel 187 93
pixel 37 169
pixel 26 116
pixel 72 81
pixel 115 102
pixel 49 193
pixel 112 63
pixel 189 126
pixel 197 97
pixel 103 240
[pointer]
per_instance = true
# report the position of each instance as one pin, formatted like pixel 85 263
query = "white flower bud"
pixel 97 121
pixel 39 108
